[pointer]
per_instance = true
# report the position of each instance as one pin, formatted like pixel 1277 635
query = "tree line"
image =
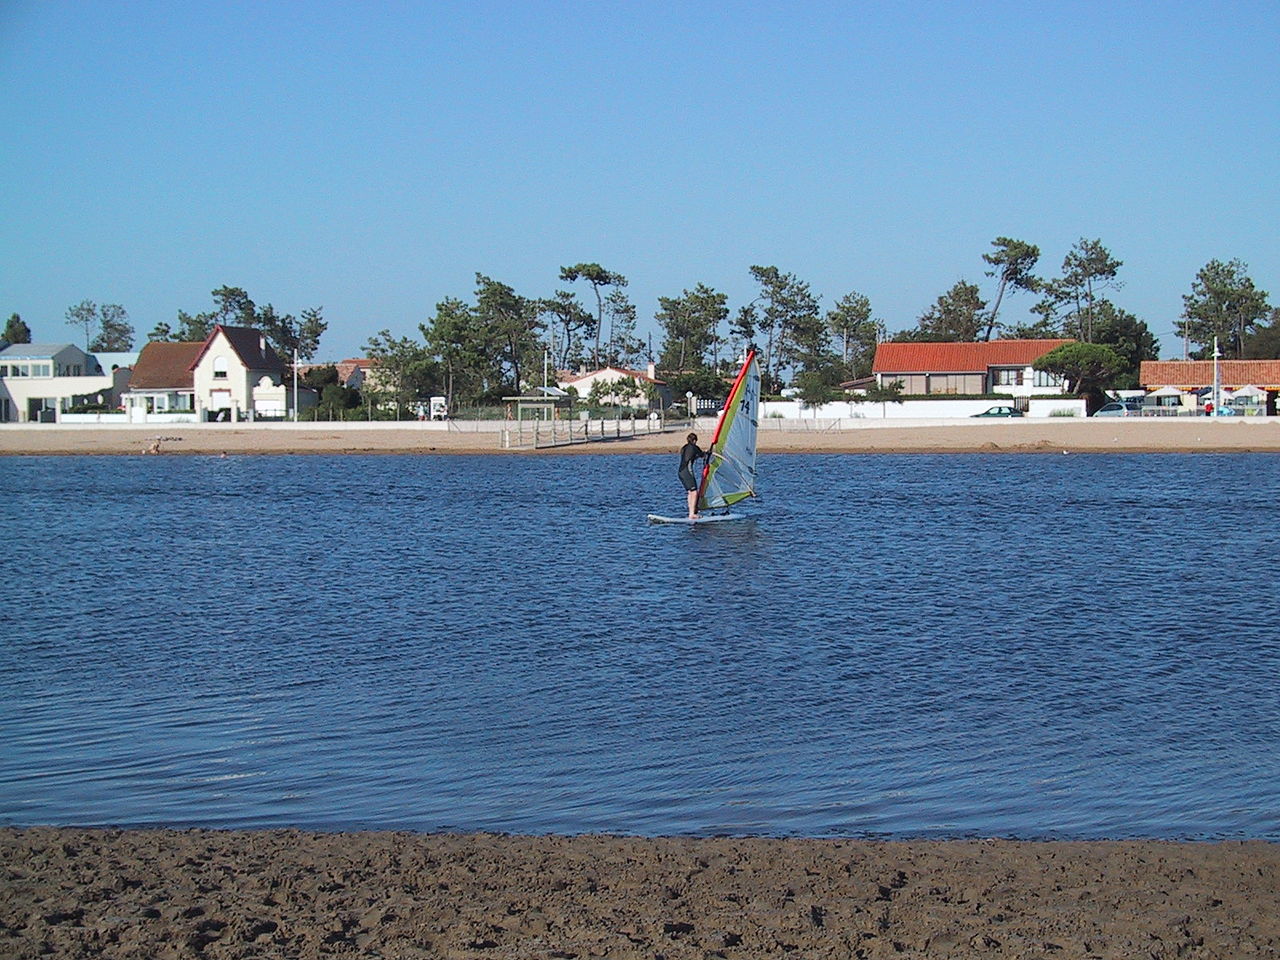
pixel 497 341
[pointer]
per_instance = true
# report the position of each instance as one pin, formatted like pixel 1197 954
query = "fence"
pixel 538 434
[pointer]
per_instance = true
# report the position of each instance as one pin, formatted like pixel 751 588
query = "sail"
pixel 730 473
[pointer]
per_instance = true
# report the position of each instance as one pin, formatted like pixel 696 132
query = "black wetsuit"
pixel 690 453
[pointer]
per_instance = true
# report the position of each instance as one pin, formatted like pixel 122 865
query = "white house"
pixel 237 376
pixel 352 372
pixel 993 366
pixel 39 380
pixel 618 385
pixel 162 381
pixel 233 375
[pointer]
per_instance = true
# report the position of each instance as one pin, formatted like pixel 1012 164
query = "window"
pixel 1008 376
pixel 1045 379
pixel 219 368
pixel 950 383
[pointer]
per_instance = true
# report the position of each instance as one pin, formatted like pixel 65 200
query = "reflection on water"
pixel 903 646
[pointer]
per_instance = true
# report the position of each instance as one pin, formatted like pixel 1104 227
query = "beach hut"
pixel 1168 400
pixel 1249 400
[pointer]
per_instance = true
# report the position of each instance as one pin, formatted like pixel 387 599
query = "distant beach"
pixel 1050 435
pixel 108 893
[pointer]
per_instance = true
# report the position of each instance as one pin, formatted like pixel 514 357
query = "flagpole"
pixel 1217 380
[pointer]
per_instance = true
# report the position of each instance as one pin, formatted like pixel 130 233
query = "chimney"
pixel 653 370
pixel 262 344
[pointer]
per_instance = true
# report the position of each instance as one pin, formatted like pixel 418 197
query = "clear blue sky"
pixel 371 158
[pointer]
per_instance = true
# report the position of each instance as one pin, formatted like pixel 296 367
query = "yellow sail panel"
pixel 730 473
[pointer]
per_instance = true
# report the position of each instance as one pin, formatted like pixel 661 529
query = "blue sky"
pixel 371 158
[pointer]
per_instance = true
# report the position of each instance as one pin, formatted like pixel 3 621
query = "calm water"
pixel 1033 646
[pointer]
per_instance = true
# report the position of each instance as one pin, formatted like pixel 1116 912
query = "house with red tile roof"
pixel 612 379
pixel 992 366
pixel 162 381
pixel 354 371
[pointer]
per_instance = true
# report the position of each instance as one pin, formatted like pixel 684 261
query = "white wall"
pixel 912 409
pixel 20 390
pixel 186 416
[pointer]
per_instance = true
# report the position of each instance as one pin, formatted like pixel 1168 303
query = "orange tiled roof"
pixel 906 357
pixel 347 368
pixel 165 366
pixel 1191 374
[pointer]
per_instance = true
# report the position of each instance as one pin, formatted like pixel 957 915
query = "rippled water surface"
pixel 1037 646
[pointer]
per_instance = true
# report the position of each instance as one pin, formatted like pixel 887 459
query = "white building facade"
pixel 38 381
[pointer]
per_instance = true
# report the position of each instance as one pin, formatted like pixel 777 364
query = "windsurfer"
pixel 690 454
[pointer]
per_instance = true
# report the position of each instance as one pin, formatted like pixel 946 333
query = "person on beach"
pixel 690 454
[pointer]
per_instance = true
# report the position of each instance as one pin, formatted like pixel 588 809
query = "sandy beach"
pixel 1052 435
pixel 170 894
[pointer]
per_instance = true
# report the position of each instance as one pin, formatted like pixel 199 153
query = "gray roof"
pixel 38 351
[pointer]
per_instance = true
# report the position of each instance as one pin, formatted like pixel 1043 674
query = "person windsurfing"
pixel 690 454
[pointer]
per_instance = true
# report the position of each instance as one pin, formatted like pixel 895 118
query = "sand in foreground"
pixel 90 893
pixel 1052 435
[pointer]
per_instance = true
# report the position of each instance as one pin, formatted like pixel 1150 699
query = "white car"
pixel 1120 408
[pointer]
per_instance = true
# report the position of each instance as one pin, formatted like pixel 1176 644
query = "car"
pixel 1120 408
pixel 1000 412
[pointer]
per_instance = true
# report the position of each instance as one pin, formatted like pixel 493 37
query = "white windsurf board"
pixel 705 518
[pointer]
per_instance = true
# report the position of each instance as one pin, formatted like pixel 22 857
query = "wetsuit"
pixel 690 453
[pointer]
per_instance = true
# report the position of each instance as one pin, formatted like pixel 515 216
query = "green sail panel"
pixel 730 473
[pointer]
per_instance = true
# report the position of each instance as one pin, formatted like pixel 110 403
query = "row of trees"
pixel 106 327
pixel 288 335
pixel 497 341
pixel 482 348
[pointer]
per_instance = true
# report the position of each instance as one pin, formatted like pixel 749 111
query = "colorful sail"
pixel 730 473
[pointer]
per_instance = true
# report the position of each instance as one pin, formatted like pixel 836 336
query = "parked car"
pixel 1000 412
pixel 1120 408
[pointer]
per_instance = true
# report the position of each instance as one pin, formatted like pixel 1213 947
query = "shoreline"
pixel 188 893
pixel 1051 435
